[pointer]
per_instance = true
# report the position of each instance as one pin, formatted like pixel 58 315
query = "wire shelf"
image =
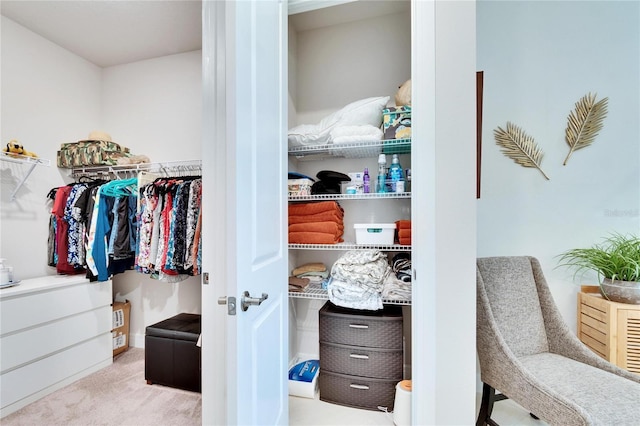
pixel 351 246
pixel 364 149
pixel 164 169
pixel 370 196
pixel 24 159
pixel 315 291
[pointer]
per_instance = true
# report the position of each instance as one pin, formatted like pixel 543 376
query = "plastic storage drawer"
pixel 359 392
pixel 373 329
pixel 358 361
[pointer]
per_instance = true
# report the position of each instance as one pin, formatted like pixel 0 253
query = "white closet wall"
pixel 51 96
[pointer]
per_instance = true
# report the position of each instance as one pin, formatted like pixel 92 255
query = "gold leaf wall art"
pixel 519 146
pixel 584 123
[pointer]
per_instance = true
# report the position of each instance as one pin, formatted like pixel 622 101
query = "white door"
pixel 245 353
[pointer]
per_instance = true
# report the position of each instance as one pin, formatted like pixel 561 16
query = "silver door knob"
pixel 230 302
pixel 247 300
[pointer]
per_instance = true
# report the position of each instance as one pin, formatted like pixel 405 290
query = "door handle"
pixel 230 302
pixel 247 300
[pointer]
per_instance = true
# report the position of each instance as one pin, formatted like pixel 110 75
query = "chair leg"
pixel 486 406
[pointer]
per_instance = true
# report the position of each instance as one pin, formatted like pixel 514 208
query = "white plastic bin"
pixel 374 233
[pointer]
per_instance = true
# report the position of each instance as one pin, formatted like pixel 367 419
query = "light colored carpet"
pixel 115 395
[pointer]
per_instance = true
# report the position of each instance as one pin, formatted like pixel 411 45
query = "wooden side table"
pixel 610 329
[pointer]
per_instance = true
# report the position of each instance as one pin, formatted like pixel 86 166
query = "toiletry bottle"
pixel 365 180
pixel 396 175
pixel 382 173
pixel 407 184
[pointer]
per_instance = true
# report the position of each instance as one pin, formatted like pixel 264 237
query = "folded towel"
pixel 328 227
pixel 403 224
pixel 404 233
pixel 318 217
pixel 313 208
pixel 313 238
pixel 405 241
pixel 298 284
pixel 309 267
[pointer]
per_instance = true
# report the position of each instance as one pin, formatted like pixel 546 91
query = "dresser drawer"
pixel 359 392
pixel 359 361
pixel 373 329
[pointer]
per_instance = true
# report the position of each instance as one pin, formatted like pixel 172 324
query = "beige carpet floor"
pixel 115 395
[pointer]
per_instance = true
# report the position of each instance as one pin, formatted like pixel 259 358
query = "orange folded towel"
pixel 313 238
pixel 404 233
pixel 329 227
pixel 318 217
pixel 313 208
pixel 403 224
pixel 405 241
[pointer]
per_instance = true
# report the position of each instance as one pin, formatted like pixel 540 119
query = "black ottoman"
pixel 171 357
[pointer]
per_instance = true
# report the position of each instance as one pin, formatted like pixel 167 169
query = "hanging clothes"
pixel 103 228
pixel 169 208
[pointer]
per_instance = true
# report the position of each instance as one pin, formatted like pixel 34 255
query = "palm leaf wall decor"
pixel 519 146
pixel 584 123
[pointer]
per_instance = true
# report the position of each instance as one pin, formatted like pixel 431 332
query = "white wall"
pixel 328 58
pixel 154 107
pixel 50 96
pixel 539 58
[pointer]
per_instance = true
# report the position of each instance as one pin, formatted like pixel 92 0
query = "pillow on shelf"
pixel 364 111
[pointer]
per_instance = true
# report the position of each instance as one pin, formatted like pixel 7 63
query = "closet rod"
pixel 165 169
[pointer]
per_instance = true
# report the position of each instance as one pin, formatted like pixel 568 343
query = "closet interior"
pixel 339 55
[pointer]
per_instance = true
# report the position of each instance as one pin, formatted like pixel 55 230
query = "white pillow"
pixel 362 112
pixel 365 111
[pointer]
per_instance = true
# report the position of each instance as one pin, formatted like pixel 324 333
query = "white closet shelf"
pixel 168 168
pixel 352 150
pixel 314 291
pixel 23 159
pixel 351 246
pixel 371 196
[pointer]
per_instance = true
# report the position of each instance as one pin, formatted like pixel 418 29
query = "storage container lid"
pixel 374 225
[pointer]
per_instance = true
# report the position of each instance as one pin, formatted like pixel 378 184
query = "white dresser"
pixel 54 330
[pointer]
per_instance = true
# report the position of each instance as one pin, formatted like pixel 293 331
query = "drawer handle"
pixel 358 326
pixel 358 356
pixel 363 387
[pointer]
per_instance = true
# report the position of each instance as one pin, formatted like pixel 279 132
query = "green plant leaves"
pixel 617 258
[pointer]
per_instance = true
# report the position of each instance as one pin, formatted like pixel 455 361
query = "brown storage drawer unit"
pixel 610 329
pixel 361 356
pixel 354 391
pixel 358 361
pixel 374 329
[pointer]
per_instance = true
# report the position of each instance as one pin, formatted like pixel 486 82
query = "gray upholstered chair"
pixel 529 355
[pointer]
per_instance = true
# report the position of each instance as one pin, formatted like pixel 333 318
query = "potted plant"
pixel 616 261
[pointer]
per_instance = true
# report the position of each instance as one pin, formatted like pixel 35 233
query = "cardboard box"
pixel 120 326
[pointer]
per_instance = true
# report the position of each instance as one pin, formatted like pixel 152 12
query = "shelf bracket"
pixel 22 181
